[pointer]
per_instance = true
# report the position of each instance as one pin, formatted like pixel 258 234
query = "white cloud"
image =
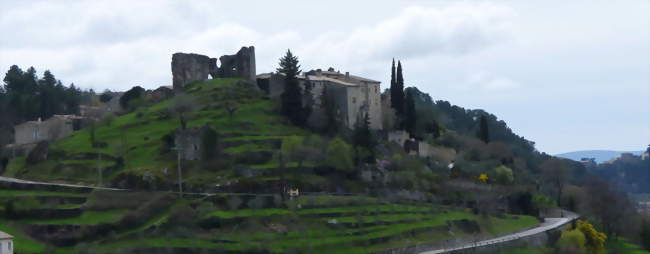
pixel 477 54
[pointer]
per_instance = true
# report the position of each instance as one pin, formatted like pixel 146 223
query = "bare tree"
pixel 555 171
pixel 182 105
pixel 231 106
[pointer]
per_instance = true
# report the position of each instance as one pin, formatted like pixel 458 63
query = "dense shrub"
pixel 135 93
pixel 339 155
pixel 572 241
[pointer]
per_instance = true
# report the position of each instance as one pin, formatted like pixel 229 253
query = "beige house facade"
pixel 353 96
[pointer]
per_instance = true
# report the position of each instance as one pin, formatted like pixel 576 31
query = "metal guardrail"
pixel 500 240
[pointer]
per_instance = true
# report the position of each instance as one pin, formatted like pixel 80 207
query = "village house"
pixel 54 128
pixel 6 243
pixel 353 96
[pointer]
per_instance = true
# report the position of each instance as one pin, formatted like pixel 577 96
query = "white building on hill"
pixel 6 243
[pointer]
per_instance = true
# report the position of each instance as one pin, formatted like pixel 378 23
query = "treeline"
pixel 24 97
pixel 631 174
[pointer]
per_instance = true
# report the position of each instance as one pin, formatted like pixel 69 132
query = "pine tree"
pixel 483 132
pixel 292 105
pixel 363 140
pixel 410 118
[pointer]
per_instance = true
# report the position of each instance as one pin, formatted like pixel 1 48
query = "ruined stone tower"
pixel 187 68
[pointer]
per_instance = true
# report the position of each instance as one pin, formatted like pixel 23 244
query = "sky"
pixel 568 75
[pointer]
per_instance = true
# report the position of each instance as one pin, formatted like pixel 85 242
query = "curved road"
pixel 548 224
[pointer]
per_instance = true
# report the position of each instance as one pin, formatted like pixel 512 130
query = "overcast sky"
pixel 569 75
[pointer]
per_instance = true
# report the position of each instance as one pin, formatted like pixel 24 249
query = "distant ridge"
pixel 599 155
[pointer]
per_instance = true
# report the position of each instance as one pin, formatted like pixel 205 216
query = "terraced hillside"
pixel 133 145
pixel 235 202
pixel 71 220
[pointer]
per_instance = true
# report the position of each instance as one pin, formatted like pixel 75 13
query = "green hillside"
pixel 259 151
pixel 134 141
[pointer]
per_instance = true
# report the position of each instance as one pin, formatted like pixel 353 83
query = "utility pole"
pixel 180 176
pixel 99 168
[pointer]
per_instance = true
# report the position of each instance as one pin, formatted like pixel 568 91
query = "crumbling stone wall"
pixel 189 142
pixel 240 65
pixel 398 137
pixel 187 68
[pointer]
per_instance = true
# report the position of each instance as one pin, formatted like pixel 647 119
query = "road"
pixel 548 224
pixel 16 180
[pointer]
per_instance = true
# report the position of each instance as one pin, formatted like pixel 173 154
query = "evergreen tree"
pixel 410 118
pixel 363 140
pixel 398 99
pixel 393 85
pixel 645 234
pixel 483 132
pixel 13 80
pixel 47 96
pixel 433 128
pixel 292 105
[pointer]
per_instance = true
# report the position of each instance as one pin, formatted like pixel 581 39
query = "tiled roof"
pixel 4 236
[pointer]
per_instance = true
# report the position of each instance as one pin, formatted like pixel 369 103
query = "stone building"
pixel 6 243
pixel 353 96
pixel 192 140
pixel 189 142
pixel 54 128
pixel 188 68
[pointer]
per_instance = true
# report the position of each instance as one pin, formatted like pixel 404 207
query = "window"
pixel 354 99
pixel 196 148
pixel 9 243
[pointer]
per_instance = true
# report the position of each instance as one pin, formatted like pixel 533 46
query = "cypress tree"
pixel 399 91
pixel 483 132
pixel 410 121
pixel 393 85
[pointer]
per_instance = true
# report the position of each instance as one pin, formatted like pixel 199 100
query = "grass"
pixel 86 218
pixel 315 211
pixel 624 246
pixel 528 250
pixel 137 136
pixel 22 243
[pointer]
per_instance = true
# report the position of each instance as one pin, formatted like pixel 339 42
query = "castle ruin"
pixel 187 68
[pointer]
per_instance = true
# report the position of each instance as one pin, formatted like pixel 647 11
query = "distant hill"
pixel 600 155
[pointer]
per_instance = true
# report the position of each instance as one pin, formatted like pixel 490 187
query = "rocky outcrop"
pixel 187 68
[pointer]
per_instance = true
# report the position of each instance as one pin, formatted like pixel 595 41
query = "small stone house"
pixel 190 141
pixel 411 146
pixel 6 243
pixel 54 128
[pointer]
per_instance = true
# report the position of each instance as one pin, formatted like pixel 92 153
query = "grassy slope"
pixel 137 137
pixel 624 246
